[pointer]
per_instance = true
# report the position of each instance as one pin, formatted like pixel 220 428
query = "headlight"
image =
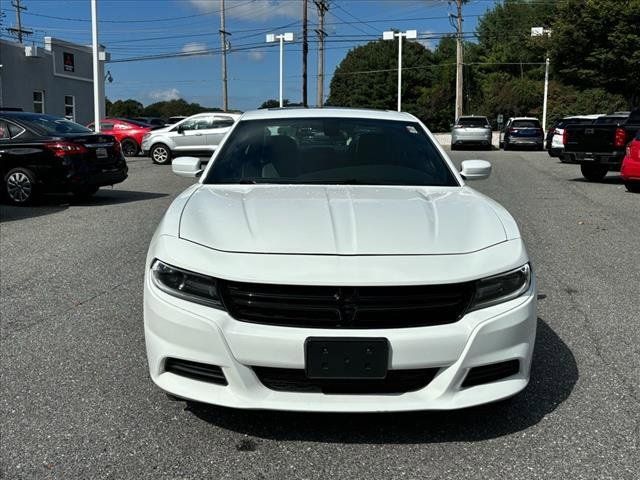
pixel 501 288
pixel 186 285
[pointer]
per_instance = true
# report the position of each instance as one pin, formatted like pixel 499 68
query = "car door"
pixel 190 134
pixel 219 128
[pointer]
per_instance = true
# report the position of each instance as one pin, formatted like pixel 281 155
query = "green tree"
pixel 367 76
pixel 596 44
pixel 273 103
pixel 125 108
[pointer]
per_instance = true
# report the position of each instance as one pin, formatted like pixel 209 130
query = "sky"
pixel 130 29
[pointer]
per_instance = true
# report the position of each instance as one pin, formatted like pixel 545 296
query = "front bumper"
pixel 176 328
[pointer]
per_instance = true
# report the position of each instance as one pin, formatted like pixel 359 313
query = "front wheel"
pixel 593 171
pixel 160 154
pixel 129 147
pixel 20 186
pixel 633 187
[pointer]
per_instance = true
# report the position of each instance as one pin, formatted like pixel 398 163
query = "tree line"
pixel 594 50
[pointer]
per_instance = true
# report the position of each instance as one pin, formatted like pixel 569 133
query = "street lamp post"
pixel 409 35
pixel 283 37
pixel 539 32
pixel 94 48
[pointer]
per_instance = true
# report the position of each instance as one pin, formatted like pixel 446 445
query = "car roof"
pixel 524 118
pixel 333 112
pixel 472 116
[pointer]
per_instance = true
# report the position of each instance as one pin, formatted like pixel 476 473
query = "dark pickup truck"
pixel 600 147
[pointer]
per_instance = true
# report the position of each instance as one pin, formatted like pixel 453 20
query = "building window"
pixel 70 108
pixel 38 101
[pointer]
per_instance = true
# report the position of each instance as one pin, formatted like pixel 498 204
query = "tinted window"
pixel 574 121
pixel 4 131
pixel 609 120
pixel 222 122
pixel 525 124
pixel 135 122
pixel 50 125
pixel 473 122
pixel 14 129
pixel 106 126
pixel 200 123
pixel 330 151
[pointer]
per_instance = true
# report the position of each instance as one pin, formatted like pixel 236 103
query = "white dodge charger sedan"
pixel 335 260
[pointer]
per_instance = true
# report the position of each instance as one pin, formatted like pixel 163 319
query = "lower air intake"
pixel 295 380
pixel 196 371
pixel 491 373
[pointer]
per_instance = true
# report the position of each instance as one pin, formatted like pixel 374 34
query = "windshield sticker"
pixel 411 129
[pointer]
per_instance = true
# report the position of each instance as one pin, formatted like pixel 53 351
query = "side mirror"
pixel 190 167
pixel 180 129
pixel 475 169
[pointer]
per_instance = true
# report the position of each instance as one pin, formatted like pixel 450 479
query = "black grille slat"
pixel 346 307
pixel 491 373
pixel 295 380
pixel 196 371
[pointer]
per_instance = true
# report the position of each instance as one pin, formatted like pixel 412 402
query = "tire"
pixel 633 187
pixel 593 172
pixel 20 186
pixel 160 154
pixel 500 145
pixel 129 147
pixel 85 193
pixel 505 146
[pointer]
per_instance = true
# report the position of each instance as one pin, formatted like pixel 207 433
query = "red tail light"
pixel 512 130
pixel 565 137
pixel 62 149
pixel 620 138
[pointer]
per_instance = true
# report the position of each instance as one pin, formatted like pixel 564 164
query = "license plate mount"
pixel 347 358
pixel 101 152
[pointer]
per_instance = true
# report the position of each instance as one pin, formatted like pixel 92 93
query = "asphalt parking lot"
pixel 77 402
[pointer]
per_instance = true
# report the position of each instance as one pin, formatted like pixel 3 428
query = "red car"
pixel 630 170
pixel 128 132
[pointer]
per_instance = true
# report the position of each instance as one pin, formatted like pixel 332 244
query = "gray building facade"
pixel 56 79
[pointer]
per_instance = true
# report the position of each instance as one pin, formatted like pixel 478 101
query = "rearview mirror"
pixel 190 167
pixel 475 169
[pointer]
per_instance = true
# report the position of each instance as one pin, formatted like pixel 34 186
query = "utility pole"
pixel 459 61
pixel 19 31
pixel 305 51
pixel 322 7
pixel 223 44
pixel 546 93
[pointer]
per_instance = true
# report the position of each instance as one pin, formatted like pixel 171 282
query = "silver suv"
pixel 197 135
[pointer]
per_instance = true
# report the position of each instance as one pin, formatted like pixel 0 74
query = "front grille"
pixel 491 373
pixel 197 371
pixel 295 380
pixel 346 307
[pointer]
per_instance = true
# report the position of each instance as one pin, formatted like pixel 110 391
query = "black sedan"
pixel 45 154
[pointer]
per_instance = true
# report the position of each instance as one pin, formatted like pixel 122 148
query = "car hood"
pixel 340 220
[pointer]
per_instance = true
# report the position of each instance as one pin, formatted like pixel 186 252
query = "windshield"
pixel 51 125
pixel 330 151
pixel 473 122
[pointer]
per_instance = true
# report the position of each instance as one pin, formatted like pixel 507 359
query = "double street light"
pixel 409 35
pixel 284 37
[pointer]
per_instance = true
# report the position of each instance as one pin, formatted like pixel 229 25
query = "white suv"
pixel 197 135
pixel 335 260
